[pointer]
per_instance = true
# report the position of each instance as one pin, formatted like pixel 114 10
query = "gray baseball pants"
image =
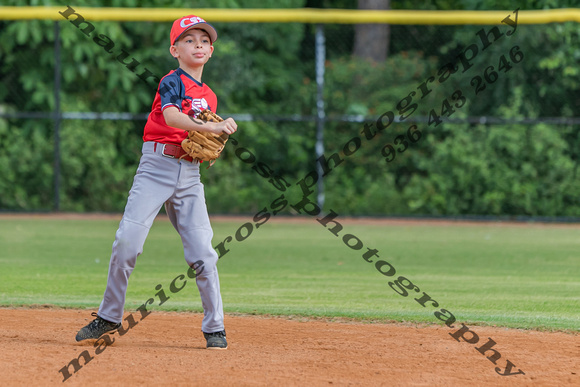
pixel 161 180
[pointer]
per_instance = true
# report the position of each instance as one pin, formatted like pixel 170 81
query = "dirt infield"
pixel 167 349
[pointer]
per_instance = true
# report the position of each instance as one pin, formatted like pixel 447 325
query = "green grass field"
pixel 512 276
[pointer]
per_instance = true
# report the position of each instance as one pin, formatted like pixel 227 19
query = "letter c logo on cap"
pixel 193 20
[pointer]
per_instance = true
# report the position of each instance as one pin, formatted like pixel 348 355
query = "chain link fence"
pixel 75 97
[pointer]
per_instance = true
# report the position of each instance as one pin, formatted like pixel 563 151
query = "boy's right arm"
pixel 175 118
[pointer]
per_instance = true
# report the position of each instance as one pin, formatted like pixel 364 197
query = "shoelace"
pixel 98 321
pixel 218 334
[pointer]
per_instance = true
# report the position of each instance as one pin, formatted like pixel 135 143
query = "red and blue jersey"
pixel 177 89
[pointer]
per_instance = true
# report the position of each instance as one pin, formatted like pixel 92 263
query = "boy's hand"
pixel 227 126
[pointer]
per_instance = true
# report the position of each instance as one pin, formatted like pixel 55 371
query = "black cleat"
pixel 96 328
pixel 216 340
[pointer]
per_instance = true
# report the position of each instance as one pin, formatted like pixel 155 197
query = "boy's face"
pixel 193 49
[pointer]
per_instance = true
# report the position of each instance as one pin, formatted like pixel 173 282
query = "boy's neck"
pixel 195 73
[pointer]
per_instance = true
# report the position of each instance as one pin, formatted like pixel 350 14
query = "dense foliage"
pixel 518 165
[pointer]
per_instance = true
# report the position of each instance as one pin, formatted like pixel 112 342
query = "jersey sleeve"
pixel 170 92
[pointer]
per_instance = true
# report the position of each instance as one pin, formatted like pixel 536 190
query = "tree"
pixel 372 40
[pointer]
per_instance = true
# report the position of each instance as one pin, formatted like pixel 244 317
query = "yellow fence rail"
pixel 297 15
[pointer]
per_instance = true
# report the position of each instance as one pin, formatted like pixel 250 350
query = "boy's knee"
pixel 201 268
pixel 128 244
pixel 125 254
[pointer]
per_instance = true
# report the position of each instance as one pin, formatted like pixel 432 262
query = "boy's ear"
pixel 173 51
pixel 211 51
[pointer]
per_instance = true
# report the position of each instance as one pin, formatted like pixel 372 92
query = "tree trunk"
pixel 371 41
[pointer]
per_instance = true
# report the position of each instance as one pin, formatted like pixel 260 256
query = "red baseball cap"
pixel 188 22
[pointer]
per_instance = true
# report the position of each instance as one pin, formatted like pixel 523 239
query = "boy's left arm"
pixel 175 118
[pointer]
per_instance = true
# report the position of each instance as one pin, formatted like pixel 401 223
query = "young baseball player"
pixel 165 177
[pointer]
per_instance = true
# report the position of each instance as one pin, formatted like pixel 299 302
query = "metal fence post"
pixel 57 116
pixel 320 114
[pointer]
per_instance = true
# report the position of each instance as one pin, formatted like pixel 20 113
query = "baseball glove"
pixel 205 146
